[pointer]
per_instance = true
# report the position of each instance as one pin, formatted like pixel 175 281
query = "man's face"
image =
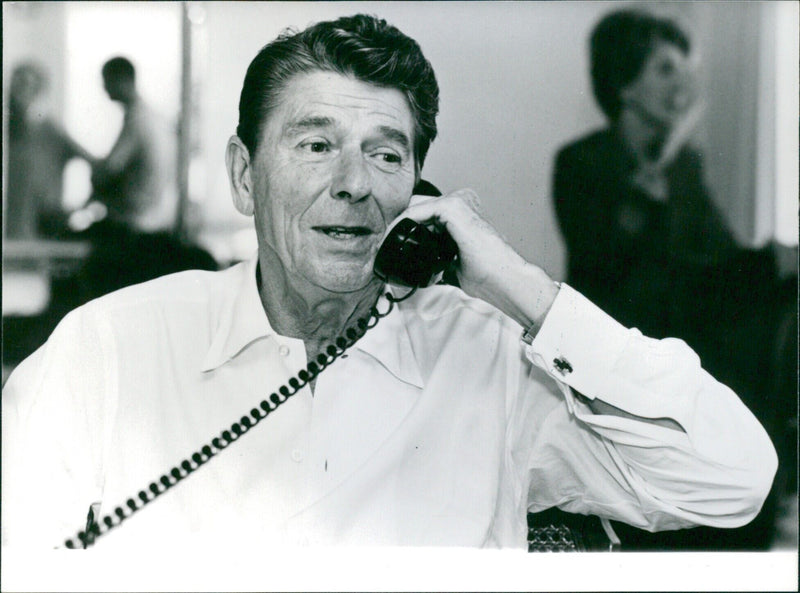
pixel 334 166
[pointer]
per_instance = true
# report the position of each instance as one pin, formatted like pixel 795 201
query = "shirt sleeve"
pixel 716 471
pixel 54 405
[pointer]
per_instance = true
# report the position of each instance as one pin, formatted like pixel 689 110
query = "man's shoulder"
pixel 177 291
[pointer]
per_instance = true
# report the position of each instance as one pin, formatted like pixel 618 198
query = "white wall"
pixel 785 38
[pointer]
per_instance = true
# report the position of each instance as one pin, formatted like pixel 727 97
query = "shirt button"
pixel 284 350
pixel 297 455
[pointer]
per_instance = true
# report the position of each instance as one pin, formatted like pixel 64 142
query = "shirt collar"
pixel 389 343
pixel 243 321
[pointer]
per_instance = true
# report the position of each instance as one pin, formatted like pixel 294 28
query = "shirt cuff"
pixel 578 343
pixel 583 347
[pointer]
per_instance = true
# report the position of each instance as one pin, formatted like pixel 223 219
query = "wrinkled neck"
pixel 312 314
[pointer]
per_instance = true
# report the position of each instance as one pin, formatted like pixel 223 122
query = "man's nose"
pixel 351 177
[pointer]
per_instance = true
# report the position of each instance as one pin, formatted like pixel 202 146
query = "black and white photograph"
pixel 402 296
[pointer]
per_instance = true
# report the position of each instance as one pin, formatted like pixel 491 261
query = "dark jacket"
pixel 627 252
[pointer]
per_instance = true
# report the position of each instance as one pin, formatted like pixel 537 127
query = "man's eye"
pixel 389 158
pixel 317 146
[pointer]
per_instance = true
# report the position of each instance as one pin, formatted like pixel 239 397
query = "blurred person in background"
pixel 644 239
pixel 639 224
pixel 135 182
pixel 131 216
pixel 38 150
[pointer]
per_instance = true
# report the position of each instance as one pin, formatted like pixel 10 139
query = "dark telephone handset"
pixel 412 254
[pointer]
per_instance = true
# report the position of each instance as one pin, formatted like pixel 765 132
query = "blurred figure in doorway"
pixel 136 181
pixel 132 214
pixel 38 150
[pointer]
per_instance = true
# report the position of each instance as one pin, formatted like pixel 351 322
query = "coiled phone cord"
pixel 196 460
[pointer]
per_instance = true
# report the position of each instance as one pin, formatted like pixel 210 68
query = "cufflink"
pixel 562 366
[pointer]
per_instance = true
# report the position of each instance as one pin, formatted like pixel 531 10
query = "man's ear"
pixel 237 161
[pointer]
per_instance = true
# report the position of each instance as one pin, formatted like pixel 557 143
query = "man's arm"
pixel 716 470
pixel 659 443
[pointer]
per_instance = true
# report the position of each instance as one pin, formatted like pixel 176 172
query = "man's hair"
pixel 361 46
pixel 620 45
pixel 119 68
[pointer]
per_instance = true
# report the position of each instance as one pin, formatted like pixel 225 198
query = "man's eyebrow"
pixel 396 135
pixel 314 122
pixel 311 122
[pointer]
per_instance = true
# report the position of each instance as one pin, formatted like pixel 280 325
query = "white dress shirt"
pixel 439 427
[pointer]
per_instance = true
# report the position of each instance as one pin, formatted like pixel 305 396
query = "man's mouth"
pixel 343 232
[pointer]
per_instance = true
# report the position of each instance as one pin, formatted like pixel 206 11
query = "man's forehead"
pixel 322 99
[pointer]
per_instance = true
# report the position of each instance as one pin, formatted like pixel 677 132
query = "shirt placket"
pixel 292 356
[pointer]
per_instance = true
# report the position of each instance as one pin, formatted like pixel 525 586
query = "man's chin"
pixel 346 281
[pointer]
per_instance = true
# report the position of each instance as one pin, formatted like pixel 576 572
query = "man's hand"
pixel 488 267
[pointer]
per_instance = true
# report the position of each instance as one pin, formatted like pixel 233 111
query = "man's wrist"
pixel 526 296
pixel 545 302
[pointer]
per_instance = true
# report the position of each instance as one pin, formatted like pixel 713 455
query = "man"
pixel 135 180
pixel 447 421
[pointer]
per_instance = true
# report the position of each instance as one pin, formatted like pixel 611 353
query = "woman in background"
pixel 640 227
